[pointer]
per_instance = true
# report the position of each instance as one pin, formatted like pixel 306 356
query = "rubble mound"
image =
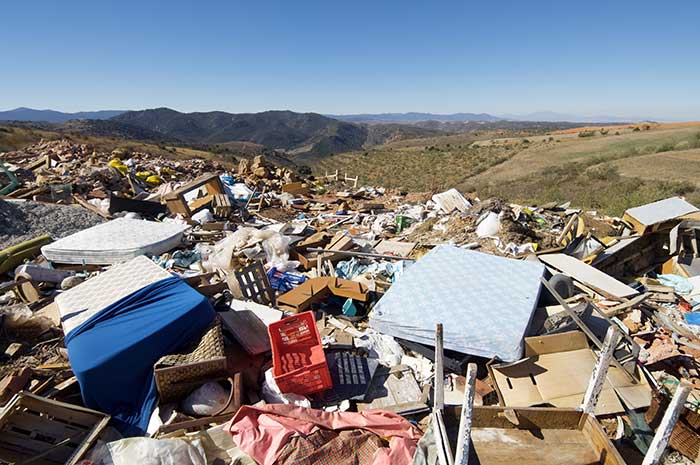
pixel 22 221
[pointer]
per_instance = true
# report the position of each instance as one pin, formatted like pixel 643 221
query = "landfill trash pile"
pixel 197 315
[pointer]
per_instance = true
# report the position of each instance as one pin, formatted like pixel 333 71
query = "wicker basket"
pixel 175 373
pixel 685 437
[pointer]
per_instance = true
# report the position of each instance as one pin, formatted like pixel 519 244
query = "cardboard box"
pixel 557 370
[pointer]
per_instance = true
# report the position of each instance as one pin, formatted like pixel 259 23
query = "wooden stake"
pixel 439 384
pixel 465 419
pixel 590 399
pixel 663 432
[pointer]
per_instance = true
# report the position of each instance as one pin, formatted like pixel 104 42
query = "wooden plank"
pixel 590 398
pixel 465 419
pixel 600 441
pixel 586 274
pixel 248 330
pixel 668 422
pixel 84 203
pixel 438 378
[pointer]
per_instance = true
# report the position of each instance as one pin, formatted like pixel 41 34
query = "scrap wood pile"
pixel 250 316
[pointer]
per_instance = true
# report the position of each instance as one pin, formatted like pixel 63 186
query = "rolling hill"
pixel 52 116
pixel 308 134
pixel 280 130
pixel 603 168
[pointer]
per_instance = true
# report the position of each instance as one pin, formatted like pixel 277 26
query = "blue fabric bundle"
pixel 112 353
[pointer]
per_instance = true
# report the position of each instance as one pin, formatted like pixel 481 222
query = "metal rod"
pixel 584 328
pixel 358 254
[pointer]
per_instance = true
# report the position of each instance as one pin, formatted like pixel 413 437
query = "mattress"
pixel 484 302
pixel 78 304
pixel 115 241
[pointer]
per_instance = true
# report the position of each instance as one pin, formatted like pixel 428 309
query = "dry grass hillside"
pixel 608 169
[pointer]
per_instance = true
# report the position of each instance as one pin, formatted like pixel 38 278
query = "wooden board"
pixel 395 389
pixel 586 274
pixel 541 436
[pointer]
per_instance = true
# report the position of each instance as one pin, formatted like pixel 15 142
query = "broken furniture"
pixel 685 435
pixel 534 436
pixel 115 241
pixel 10 186
pixel 316 290
pixel 299 364
pixel 187 200
pixel 221 205
pixel 40 431
pixel 255 204
pixel 225 413
pixel 125 204
pixel 660 215
pixel 178 374
pixel 488 301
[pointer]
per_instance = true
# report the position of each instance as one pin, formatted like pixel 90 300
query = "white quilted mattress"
pixel 115 241
pixel 85 300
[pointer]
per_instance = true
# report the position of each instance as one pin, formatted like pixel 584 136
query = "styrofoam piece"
pixel 84 300
pixel 115 241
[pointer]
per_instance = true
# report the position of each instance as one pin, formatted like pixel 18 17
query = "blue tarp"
pixel 112 353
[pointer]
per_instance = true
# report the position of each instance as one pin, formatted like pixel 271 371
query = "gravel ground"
pixel 22 221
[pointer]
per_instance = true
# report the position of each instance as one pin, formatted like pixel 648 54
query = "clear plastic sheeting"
pixel 147 451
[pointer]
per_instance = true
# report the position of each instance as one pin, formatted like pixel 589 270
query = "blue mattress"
pixel 113 352
pixel 484 302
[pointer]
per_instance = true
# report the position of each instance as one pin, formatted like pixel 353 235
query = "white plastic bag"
pixel 489 226
pixel 203 216
pixel 272 394
pixel 205 401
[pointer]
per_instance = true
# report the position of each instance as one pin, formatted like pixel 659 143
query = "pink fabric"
pixel 262 431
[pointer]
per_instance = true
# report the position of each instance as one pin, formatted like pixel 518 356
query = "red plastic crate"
pixel 298 363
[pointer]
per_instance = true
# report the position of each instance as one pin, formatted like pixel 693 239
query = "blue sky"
pixel 622 57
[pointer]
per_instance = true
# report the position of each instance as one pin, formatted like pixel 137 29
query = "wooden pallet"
pixel 255 284
pixel 40 431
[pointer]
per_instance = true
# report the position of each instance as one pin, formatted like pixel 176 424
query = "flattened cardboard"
pixel 556 371
pixel 398 248
pixel 317 289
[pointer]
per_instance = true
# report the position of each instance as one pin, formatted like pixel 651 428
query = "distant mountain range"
pixel 304 135
pixel 541 116
pixel 415 117
pixel 28 114
pixel 51 116
pixel 295 134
